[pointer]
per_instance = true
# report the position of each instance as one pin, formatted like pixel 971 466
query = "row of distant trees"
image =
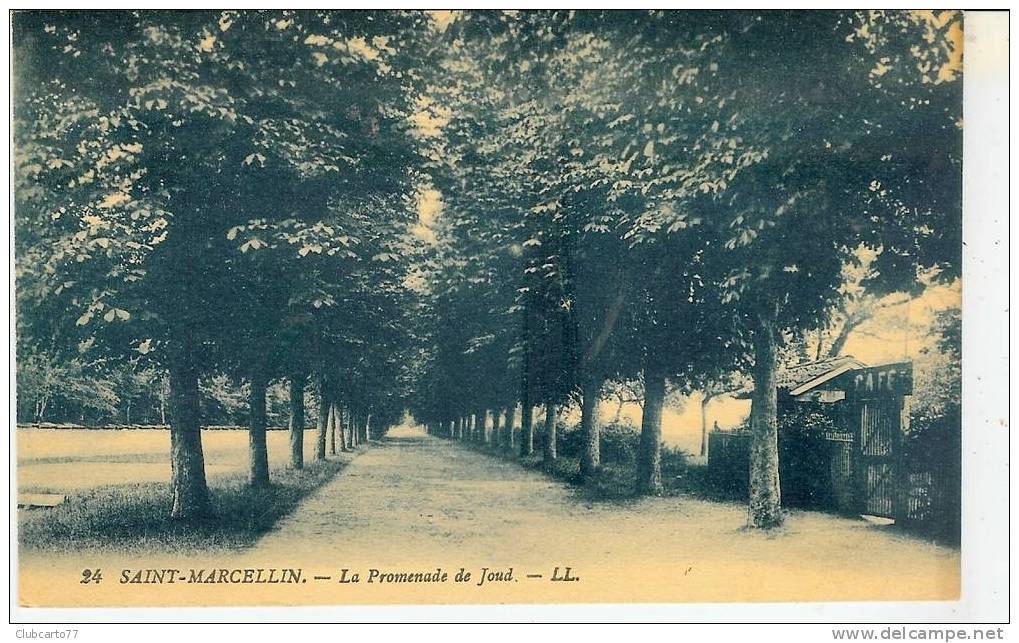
pixel 69 392
pixel 677 198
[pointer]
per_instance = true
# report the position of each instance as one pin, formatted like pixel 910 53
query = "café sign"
pixel 887 380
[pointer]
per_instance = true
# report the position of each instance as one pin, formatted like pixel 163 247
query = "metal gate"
pixel 880 433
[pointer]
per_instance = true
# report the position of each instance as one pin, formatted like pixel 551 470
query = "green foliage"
pixel 673 161
pixel 56 389
pixel 224 399
pixel 807 418
pixel 936 404
pixel 230 188
pixel 618 443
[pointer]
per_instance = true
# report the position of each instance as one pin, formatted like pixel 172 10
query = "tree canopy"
pixel 457 212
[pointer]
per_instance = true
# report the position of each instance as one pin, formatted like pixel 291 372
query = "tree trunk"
pixel 496 428
pixel 590 456
pixel 526 409
pixel 351 430
pixel 331 424
pixel 619 409
pixel 40 409
pixel 551 446
pixel 348 429
pixel 841 339
pixel 45 405
pixel 479 426
pixel 704 423
pixel 297 420
pixel 323 418
pixel 511 420
pixel 526 429
pixel 258 455
pixel 765 496
pixel 339 429
pixel 187 483
pixel 649 454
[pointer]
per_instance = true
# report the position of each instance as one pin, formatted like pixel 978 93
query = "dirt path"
pixel 416 502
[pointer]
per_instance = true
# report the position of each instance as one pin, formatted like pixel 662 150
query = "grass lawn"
pixel 135 517
pixel 71 460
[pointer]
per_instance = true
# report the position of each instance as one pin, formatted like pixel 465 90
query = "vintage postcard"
pixel 460 307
